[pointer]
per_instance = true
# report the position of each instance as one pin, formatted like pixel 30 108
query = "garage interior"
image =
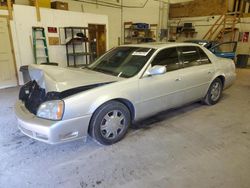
pixel 191 146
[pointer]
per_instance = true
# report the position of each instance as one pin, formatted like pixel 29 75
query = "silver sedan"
pixel 126 84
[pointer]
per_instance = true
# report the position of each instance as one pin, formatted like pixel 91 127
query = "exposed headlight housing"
pixel 52 110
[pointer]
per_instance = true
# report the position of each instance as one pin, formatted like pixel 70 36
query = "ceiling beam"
pixel 38 14
pixel 9 9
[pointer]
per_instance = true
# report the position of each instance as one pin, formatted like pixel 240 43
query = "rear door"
pixel 197 72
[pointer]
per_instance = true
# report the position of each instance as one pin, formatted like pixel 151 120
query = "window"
pixel 167 57
pixel 190 56
pixel 225 47
pixel 122 61
pixel 203 57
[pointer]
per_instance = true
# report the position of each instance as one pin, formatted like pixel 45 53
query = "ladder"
pixel 40 48
pixel 225 24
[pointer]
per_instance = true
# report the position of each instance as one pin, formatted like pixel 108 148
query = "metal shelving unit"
pixel 78 49
pixel 139 35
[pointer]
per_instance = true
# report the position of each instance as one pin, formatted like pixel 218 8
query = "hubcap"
pixel 112 124
pixel 215 91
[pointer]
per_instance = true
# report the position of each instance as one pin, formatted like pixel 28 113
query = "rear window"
pixel 203 57
pixel 190 56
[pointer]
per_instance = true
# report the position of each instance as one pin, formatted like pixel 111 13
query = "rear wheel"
pixel 214 92
pixel 110 123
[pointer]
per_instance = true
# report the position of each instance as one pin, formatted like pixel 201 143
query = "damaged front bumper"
pixel 49 131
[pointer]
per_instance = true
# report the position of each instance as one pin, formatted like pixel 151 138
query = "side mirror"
pixel 156 70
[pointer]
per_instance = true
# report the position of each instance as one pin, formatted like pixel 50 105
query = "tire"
pixel 214 92
pixel 110 123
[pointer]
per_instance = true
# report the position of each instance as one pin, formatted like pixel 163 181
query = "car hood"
pixel 53 78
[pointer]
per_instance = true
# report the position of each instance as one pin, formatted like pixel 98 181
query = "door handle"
pixel 178 79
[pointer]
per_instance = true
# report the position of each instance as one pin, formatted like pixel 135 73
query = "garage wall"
pixel 22 2
pixel 116 16
pixel 25 18
pixel 203 24
pixel 198 8
pixel 148 14
pixel 244 26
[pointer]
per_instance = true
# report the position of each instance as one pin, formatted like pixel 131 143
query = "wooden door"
pixel 7 66
pixel 97 33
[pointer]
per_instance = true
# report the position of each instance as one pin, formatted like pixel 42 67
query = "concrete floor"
pixel 195 146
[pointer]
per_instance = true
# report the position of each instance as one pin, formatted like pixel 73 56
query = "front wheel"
pixel 110 123
pixel 214 92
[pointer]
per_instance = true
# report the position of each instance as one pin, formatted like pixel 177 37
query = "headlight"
pixel 51 110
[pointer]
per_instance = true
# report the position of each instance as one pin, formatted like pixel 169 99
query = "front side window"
pixel 227 47
pixel 190 56
pixel 167 57
pixel 122 61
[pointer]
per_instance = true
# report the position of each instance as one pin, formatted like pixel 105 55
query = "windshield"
pixel 122 61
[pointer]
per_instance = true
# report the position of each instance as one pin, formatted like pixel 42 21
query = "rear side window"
pixel 190 56
pixel 167 57
pixel 203 57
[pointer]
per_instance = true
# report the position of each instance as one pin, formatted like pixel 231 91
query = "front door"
pixel 7 67
pixel 225 50
pixel 164 91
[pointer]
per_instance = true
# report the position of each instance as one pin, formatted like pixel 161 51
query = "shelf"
pixel 3 7
pixel 77 41
pixel 79 54
pixel 139 35
pixel 189 33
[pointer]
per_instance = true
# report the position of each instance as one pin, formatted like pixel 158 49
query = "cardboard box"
pixel 4 2
pixel 41 3
pixel 59 5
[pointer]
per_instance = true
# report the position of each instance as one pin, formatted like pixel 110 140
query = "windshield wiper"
pixel 104 71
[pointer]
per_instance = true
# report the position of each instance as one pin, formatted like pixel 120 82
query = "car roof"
pixel 196 41
pixel 160 45
pixel 206 43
